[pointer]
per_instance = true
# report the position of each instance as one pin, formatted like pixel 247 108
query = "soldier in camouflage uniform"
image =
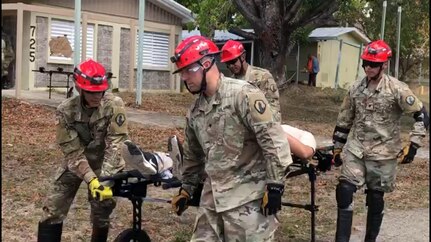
pixel 368 127
pixel 230 136
pixel 233 55
pixel 90 129
pixel 7 56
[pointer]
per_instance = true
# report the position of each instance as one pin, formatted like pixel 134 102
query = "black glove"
pixel 196 197
pixel 408 155
pixel 180 202
pixel 271 201
pixel 336 159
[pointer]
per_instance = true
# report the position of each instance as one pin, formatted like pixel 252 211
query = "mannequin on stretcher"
pixel 302 145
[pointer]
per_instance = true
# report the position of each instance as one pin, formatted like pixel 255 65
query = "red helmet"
pixel 377 51
pixel 91 76
pixel 192 50
pixel 231 50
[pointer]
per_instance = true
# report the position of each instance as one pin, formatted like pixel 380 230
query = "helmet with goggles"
pixel 377 51
pixel 91 76
pixel 192 50
pixel 231 50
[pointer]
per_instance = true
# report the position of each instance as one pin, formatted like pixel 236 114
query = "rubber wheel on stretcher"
pixel 128 235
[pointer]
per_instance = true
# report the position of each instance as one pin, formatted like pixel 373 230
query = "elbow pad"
pixel 422 116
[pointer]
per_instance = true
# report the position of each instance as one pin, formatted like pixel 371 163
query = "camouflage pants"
pixel 377 175
pixel 62 193
pixel 242 224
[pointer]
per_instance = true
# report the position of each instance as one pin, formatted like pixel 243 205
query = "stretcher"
pixel 133 185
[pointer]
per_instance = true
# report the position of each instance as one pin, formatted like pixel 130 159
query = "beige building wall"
pixel 125 8
pixel 36 26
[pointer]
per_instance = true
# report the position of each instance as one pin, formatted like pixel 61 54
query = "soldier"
pixel 370 117
pixel 8 56
pixel 90 129
pixel 233 55
pixel 231 137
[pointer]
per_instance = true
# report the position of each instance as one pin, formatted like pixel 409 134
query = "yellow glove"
pixel 180 202
pixel 336 158
pixel 408 153
pixel 403 152
pixel 98 191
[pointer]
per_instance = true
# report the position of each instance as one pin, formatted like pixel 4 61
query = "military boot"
pixel 49 232
pixel 344 225
pixel 374 221
pixel 100 234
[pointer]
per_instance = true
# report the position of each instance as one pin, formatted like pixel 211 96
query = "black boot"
pixel 99 234
pixel 374 221
pixel 344 225
pixel 49 232
pixel 376 206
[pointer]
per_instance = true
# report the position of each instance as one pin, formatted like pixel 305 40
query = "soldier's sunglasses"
pixel 231 62
pixel 371 64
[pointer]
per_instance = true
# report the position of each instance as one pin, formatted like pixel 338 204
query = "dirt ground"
pixel 30 156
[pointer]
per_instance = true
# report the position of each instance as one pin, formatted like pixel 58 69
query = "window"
pixel 61 49
pixel 155 51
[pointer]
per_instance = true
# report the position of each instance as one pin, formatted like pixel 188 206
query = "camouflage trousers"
pixel 242 224
pixel 60 198
pixel 378 175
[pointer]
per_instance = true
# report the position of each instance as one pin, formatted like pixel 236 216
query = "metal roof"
pixel 334 32
pixel 176 8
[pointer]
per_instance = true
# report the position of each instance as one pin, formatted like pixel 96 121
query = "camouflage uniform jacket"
pixel 7 53
pixel 234 139
pixel 91 143
pixel 264 80
pixel 374 118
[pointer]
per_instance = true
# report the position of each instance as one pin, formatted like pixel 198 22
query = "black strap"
pixel 339 139
pixel 341 130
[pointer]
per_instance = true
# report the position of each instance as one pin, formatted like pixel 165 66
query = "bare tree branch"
pixel 324 14
pixel 242 33
pixel 251 17
pixel 325 9
pixel 293 8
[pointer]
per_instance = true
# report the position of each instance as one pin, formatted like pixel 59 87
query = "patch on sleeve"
pixel 410 100
pixel 259 108
pixel 120 119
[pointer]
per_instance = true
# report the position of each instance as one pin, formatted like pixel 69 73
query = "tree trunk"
pixel 275 21
pixel 273 56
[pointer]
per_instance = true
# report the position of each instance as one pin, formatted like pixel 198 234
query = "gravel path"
pixel 400 226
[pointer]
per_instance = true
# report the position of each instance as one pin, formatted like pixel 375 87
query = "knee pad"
pixel 375 201
pixel 344 194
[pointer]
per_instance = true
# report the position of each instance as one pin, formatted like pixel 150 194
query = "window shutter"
pixel 64 27
pixel 155 51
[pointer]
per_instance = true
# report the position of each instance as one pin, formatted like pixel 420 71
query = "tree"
pixel 278 24
pixel 414 41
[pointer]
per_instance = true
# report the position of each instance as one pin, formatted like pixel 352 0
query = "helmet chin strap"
pixel 376 77
pixel 84 102
pixel 242 66
pixel 204 79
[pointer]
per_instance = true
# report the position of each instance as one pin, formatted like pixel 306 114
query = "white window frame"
pixel 69 29
pixel 156 51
